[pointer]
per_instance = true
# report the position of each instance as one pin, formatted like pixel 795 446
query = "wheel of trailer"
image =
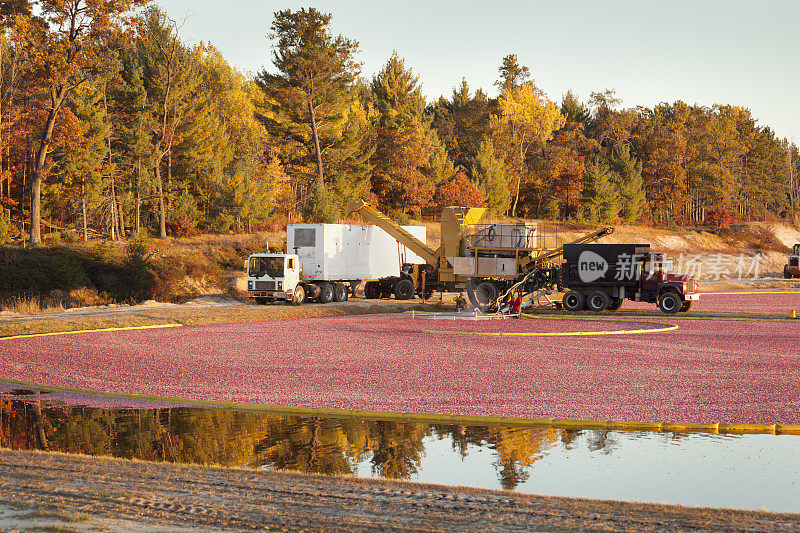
pixel 339 292
pixel 686 306
pixel 598 301
pixel 574 301
pixel 325 293
pixel 616 303
pixel 299 295
pixel 404 290
pixel 486 293
pixel 372 290
pixel 670 303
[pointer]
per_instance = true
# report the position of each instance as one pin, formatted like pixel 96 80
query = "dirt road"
pixel 55 492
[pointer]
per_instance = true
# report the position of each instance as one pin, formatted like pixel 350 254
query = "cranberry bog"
pixel 650 371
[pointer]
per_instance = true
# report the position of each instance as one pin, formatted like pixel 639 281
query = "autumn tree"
pixel 526 120
pixel 63 44
pixel 459 191
pixel 309 96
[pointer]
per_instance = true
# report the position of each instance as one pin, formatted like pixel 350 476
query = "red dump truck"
pixel 600 277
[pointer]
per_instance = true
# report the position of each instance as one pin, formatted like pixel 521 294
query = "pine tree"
pixel 409 161
pixel 512 74
pixel 600 202
pixel 490 177
pixel 308 99
pixel 630 183
pixel 574 111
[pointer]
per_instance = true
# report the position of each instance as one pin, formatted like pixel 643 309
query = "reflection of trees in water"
pixel 397 448
pixel 517 448
pixel 569 438
pixel 601 441
pixel 317 445
pixel 235 438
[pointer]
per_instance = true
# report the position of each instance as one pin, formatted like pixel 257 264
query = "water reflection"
pixel 256 440
pixel 743 471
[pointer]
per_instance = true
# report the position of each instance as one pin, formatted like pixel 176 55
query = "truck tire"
pixel 786 273
pixel 686 307
pixel 404 290
pixel 339 292
pixel 325 293
pixel 486 293
pixel 574 301
pixel 299 295
pixel 616 303
pixel 598 301
pixel 372 290
pixel 670 302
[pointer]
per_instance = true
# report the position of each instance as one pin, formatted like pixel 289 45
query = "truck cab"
pixel 273 277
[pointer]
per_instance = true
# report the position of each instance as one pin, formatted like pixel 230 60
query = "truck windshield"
pixel 271 266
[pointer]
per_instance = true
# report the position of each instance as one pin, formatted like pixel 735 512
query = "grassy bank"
pixel 74 275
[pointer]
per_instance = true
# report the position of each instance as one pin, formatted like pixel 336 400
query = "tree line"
pixel 111 125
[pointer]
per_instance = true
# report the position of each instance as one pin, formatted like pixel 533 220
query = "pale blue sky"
pixel 705 52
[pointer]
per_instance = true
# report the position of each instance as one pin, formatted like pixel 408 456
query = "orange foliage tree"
pixel 64 44
pixel 459 191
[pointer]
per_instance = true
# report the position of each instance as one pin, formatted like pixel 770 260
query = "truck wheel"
pixel 670 303
pixel 486 293
pixel 786 273
pixel 299 295
pixel 372 290
pixel 616 303
pixel 574 301
pixel 325 293
pixel 598 301
pixel 404 290
pixel 339 292
pixel 686 307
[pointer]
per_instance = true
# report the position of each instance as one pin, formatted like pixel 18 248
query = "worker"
pixel 516 304
pixel 461 302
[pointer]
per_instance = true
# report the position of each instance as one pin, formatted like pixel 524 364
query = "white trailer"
pixel 325 262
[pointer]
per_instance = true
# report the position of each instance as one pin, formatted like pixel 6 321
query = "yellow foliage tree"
pixel 526 121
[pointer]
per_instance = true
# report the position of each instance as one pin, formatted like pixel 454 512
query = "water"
pixel 697 469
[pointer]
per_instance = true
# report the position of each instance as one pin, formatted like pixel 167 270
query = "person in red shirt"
pixel 516 304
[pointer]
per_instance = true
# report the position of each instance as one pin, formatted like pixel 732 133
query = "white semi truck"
pixel 326 262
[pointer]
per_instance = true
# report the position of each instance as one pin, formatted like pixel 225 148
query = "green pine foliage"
pixel 490 177
pixel 600 203
pixel 629 183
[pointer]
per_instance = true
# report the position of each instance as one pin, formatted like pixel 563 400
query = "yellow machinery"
pixel 492 257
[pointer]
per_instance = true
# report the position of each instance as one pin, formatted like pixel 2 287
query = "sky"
pixel 705 52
